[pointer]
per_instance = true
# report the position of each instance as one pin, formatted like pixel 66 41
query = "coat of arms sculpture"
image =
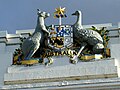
pixel 59 40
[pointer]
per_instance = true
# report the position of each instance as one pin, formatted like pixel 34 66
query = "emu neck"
pixel 79 22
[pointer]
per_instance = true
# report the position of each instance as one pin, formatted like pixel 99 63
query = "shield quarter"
pixel 60 37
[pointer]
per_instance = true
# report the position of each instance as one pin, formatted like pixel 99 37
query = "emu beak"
pixel 73 14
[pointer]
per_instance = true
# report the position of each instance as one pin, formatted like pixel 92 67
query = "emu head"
pixel 42 14
pixel 77 13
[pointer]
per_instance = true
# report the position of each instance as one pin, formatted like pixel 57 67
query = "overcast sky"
pixel 21 14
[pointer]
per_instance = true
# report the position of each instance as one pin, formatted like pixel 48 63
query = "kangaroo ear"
pixel 38 11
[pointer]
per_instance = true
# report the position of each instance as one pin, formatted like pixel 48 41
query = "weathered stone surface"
pixel 80 71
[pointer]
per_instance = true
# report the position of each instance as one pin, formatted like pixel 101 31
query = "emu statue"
pixel 32 43
pixel 86 37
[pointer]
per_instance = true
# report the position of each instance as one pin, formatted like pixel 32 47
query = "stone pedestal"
pixel 68 72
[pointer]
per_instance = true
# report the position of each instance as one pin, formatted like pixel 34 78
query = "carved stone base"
pixel 80 71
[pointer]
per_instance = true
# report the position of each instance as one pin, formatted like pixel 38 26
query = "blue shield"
pixel 60 37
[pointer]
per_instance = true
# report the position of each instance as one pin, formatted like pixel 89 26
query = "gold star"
pixel 59 11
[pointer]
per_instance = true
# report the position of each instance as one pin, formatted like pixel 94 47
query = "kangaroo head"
pixel 42 14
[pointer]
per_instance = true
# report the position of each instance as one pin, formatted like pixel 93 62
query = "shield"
pixel 60 37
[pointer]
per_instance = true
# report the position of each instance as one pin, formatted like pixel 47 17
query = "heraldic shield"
pixel 60 37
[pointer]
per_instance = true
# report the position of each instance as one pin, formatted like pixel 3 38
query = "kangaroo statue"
pixel 36 40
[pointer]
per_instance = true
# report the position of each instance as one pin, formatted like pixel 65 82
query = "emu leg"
pixel 75 58
pixel 49 62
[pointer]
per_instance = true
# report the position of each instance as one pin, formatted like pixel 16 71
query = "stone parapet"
pixel 81 71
